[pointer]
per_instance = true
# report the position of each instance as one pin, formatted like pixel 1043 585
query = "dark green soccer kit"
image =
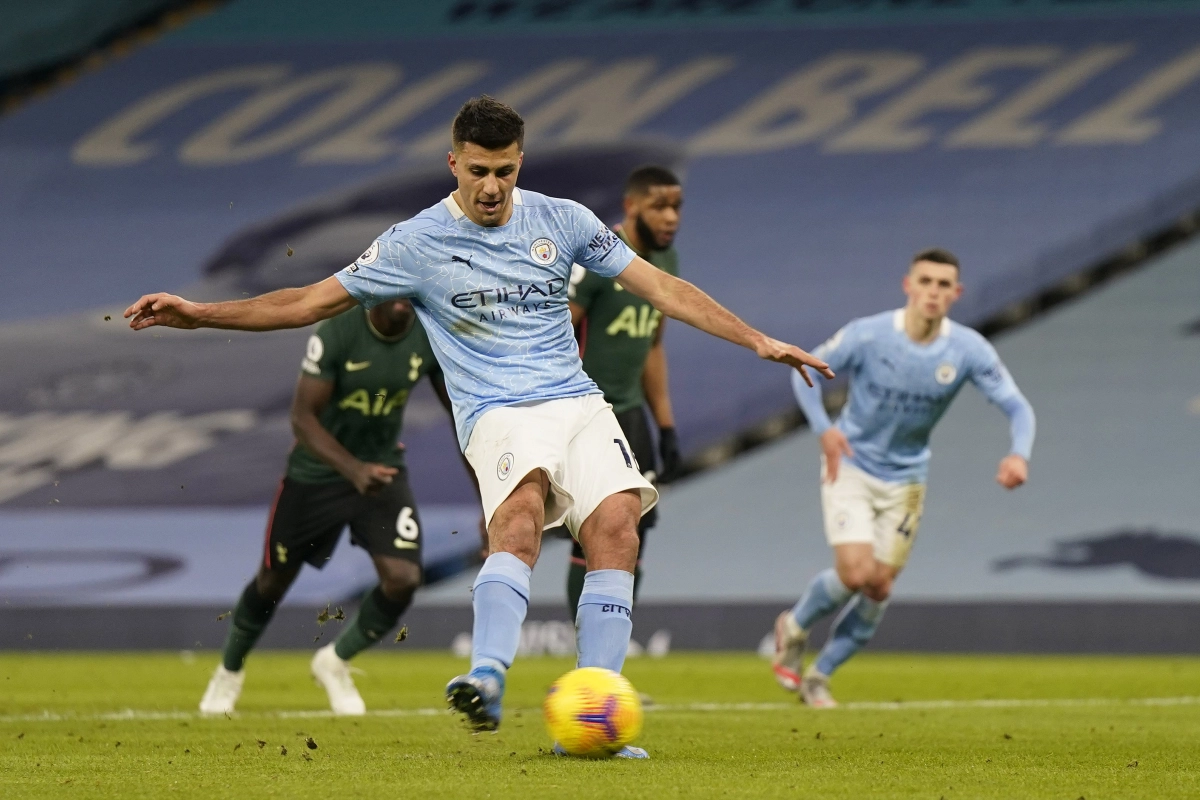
pixel 372 377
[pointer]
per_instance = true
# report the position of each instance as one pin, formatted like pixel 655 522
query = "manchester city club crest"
pixel 504 466
pixel 544 251
pixel 945 373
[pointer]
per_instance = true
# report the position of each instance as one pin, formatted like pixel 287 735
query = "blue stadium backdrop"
pixel 236 156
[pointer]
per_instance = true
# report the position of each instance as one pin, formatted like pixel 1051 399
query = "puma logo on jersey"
pixel 355 366
pixel 462 260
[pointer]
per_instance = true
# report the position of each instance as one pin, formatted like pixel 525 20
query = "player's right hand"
pixel 163 309
pixel 784 353
pixel 834 445
pixel 371 478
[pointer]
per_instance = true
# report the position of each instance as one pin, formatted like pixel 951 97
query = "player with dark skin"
pixel 620 337
pixel 346 469
pixel 398 578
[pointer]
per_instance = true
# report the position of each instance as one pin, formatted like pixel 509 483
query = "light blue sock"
pixel 824 595
pixel 853 628
pixel 604 620
pixel 501 598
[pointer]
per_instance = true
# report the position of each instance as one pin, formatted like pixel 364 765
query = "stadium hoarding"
pixel 816 161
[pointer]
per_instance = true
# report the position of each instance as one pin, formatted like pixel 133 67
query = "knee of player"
pixel 878 590
pixel 855 577
pixel 272 584
pixel 398 582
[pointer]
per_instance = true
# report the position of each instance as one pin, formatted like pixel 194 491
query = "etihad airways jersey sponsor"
pixel 493 300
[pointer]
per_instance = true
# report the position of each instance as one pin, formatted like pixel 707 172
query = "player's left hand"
pixel 668 450
pixel 784 353
pixel 1013 471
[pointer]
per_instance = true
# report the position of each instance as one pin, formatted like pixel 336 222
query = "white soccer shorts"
pixel 862 509
pixel 576 441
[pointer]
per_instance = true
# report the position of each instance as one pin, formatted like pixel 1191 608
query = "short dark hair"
pixel 937 255
pixel 643 178
pixel 487 122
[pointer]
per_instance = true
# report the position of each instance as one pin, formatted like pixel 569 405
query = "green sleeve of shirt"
pixel 585 286
pixel 323 352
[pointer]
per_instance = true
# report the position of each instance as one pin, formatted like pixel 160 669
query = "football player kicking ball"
pixel 905 367
pixel 620 338
pixel 487 270
pixel 347 468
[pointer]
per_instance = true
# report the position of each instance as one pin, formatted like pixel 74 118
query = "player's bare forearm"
pixel 655 386
pixel 317 440
pixel 310 399
pixel 681 300
pixel 285 308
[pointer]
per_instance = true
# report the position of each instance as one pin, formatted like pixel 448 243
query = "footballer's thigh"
pixel 388 526
pixel 609 536
pixel 511 443
pixel 305 523
pixel 846 505
pixel 610 493
pixel 898 510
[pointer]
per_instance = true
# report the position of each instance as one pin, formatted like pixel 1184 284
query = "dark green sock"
pixel 250 619
pixel 376 616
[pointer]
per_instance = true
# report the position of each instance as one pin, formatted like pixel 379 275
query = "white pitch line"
pixel 133 715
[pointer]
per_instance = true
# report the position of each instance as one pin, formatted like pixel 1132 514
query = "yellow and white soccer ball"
pixel 593 712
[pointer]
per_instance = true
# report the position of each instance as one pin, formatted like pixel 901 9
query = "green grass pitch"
pixel 122 725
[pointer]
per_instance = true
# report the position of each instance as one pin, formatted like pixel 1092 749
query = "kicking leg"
pixel 501 599
pixel 250 618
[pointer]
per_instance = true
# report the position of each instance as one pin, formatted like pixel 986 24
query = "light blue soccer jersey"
pixel 900 389
pixel 493 300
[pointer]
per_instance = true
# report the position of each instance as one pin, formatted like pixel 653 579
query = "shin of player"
pixel 905 368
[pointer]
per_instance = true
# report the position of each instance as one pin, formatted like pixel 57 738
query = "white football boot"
pixel 789 651
pixel 224 689
pixel 334 675
pixel 814 690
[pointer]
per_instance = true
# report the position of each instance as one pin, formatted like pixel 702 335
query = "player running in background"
pixel 905 367
pixel 347 468
pixel 487 270
pixel 620 337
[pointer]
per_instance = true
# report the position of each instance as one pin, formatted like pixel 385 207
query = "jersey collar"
pixel 898 323
pixel 388 339
pixel 456 210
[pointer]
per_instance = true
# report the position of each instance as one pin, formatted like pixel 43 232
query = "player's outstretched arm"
pixel 286 308
pixel 681 300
